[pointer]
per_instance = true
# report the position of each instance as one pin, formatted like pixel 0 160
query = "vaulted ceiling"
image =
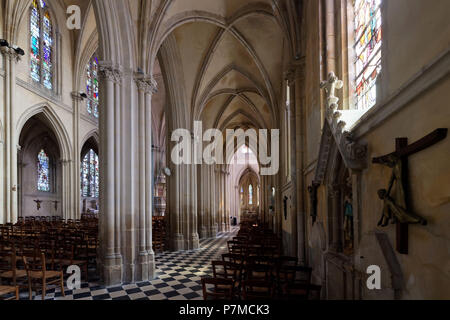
pixel 231 60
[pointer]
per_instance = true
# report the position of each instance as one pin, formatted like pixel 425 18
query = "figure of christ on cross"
pixel 396 206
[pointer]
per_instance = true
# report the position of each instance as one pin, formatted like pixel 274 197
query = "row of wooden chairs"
pixel 159 234
pixel 35 253
pixel 254 269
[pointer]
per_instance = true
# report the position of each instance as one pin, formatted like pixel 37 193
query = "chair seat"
pixel 48 274
pixel 6 290
pixel 68 262
pixel 9 274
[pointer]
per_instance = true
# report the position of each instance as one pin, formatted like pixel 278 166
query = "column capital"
pixel 107 73
pixel 10 54
pixel 146 84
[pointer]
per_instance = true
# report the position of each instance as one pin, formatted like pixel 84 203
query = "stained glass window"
pixel 250 194
pixel 92 86
pixel 257 195
pixel 90 175
pixel 41 44
pixel 43 164
pixel 368 39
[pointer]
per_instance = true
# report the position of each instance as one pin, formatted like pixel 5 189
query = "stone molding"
pixel 336 127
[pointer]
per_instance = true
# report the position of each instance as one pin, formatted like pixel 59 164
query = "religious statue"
pixel 395 206
pixel 348 222
pixel 330 87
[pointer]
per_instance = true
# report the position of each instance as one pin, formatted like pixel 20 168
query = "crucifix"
pixel 397 206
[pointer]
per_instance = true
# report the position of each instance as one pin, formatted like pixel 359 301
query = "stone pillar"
pixel 213 202
pixel 228 197
pixel 204 191
pixel 194 241
pixel 146 261
pixel 111 261
pixel 176 237
pixel 76 103
pixel 9 209
pixel 67 189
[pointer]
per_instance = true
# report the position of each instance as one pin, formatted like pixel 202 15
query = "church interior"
pixel 352 94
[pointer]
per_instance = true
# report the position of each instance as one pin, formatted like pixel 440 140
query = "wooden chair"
pixel 234 258
pixel 257 290
pixel 220 269
pixel 260 272
pixel 291 275
pixel 9 271
pixel 9 290
pixel 38 275
pixel 294 274
pixel 221 289
pixel 65 257
pixel 299 291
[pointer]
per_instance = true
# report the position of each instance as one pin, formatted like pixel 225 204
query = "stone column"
pixel 9 209
pixel 228 197
pixel 76 102
pixel 213 201
pixel 111 261
pixel 194 241
pixel 204 191
pixel 146 88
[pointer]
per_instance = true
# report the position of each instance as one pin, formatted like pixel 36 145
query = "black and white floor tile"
pixel 178 277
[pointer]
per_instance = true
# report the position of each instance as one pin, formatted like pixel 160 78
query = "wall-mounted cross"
pixel 397 207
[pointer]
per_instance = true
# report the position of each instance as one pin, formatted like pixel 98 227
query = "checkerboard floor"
pixel 178 277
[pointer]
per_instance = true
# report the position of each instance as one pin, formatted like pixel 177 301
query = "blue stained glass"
pixel 35 42
pixel 90 175
pixel 41 45
pixel 43 172
pixel 368 41
pixel 92 86
pixel 250 194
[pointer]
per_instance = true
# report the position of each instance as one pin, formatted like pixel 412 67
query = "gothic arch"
pixel 55 123
pixel 93 139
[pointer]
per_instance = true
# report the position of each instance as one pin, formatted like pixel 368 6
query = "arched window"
pixel 368 39
pixel 242 196
pixel 43 166
pixel 41 44
pixel 92 86
pixel 250 194
pixel 90 175
pixel 257 195
pixel 288 130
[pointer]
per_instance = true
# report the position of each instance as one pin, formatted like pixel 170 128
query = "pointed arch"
pixel 55 124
